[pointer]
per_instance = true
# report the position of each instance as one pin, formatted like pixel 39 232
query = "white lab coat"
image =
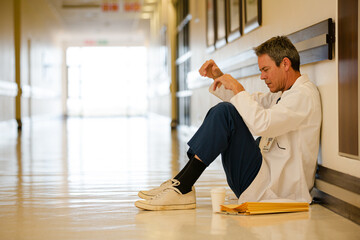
pixel 288 168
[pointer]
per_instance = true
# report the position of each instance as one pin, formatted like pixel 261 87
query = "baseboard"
pixel 342 183
pixel 336 205
pixel 339 179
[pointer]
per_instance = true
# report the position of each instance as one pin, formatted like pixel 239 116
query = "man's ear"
pixel 287 63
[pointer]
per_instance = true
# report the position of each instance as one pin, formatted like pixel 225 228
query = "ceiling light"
pixel 150 2
pixel 147 8
pixel 145 15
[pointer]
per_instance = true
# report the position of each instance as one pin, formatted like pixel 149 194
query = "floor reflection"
pixel 78 179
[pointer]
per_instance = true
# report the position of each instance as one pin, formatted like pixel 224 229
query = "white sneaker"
pixel 169 199
pixel 155 191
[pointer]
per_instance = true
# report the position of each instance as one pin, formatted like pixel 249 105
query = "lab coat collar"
pixel 300 80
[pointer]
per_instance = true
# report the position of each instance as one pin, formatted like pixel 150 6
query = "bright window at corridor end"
pixel 107 81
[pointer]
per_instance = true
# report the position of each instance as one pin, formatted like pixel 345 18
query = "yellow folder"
pixel 250 208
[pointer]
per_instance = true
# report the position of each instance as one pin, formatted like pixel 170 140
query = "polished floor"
pixel 78 179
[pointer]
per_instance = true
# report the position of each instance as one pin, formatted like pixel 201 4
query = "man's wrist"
pixel 240 88
pixel 218 75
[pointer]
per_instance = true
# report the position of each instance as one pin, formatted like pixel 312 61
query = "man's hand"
pixel 210 69
pixel 229 83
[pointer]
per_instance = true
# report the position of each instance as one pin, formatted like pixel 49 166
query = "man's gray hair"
pixel 278 48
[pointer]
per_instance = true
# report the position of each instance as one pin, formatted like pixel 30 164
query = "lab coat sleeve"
pixel 264 99
pixel 277 120
pixel 221 92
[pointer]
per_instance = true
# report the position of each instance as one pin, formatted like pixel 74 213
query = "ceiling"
pixel 94 19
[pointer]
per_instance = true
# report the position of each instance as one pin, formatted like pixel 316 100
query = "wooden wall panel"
pixel 348 78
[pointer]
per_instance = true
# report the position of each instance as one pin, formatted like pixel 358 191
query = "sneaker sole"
pixel 145 206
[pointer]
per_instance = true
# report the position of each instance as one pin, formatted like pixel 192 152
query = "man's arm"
pixel 281 118
pixel 211 70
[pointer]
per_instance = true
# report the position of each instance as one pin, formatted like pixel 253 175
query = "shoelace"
pixel 173 180
pixel 175 183
pixel 165 191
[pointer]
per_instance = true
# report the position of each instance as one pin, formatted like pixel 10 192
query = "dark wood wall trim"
pixel 339 179
pixel 343 181
pixel 348 78
pixel 327 28
pixel 336 205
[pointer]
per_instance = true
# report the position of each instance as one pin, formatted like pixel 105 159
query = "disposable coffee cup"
pixel 217 198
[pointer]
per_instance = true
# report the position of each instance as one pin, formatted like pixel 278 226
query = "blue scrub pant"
pixel 224 132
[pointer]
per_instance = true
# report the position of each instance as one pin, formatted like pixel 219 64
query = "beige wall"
pixel 8 89
pixel 40 59
pixel 280 17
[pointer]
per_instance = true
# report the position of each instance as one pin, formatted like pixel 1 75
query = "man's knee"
pixel 225 111
pixel 224 107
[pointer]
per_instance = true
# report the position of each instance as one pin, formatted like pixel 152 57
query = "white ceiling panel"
pixel 87 19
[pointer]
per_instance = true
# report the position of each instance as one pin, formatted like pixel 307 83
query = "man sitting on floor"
pixel 287 118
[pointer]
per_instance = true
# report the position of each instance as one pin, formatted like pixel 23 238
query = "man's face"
pixel 273 75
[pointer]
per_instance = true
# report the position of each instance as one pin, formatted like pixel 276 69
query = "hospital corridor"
pixel 99 98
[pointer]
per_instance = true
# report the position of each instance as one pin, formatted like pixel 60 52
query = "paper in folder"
pixel 250 208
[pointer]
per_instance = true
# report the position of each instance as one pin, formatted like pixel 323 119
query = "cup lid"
pixel 218 190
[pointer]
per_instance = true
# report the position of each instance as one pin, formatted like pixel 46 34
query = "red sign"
pixel 132 6
pixel 110 5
